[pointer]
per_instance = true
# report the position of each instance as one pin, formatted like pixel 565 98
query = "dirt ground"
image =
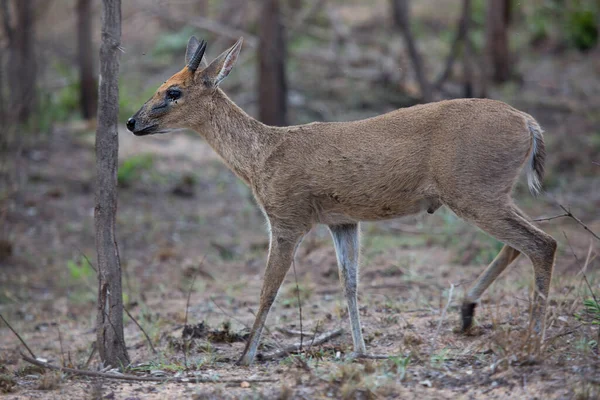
pixel 184 218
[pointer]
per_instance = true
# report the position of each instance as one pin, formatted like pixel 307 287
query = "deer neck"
pixel 239 139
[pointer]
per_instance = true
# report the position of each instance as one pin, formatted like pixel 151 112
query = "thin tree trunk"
pixel 88 91
pixel 22 62
pixel 467 52
pixel 272 84
pixel 109 321
pixel 4 56
pixel 201 8
pixel 401 15
pixel 497 51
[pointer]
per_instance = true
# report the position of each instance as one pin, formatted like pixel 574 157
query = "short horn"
pixel 195 60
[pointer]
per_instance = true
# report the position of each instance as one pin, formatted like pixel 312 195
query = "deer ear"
pixel 192 46
pixel 221 66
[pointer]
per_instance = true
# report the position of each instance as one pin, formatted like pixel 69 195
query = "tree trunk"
pixel 201 8
pixel 109 321
pixel 497 40
pixel 401 14
pixel 272 84
pixel 467 52
pixel 22 62
pixel 88 90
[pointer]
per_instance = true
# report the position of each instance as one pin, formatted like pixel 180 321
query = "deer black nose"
pixel 131 124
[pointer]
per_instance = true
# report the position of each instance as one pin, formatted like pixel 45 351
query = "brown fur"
pixel 465 153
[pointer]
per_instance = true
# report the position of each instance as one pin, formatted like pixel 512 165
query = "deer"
pixel 465 154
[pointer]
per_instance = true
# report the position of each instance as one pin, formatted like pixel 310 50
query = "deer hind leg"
pixel 346 241
pixel 504 258
pixel 509 225
pixel 281 252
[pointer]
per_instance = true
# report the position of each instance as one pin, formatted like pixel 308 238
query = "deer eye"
pixel 173 94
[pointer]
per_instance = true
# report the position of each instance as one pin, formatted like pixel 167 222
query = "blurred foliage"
pixel 172 43
pixel 582 29
pixel 80 269
pixel 131 169
pixel 131 98
pixel 574 23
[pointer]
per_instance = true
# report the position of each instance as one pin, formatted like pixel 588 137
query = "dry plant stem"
pixel 126 377
pixel 291 332
pixel 141 329
pixel 18 336
pixel 229 315
pixel 372 356
pixel 297 346
pixel 92 354
pixel 578 221
pixel 443 316
pixel 550 218
pixel 187 306
pixel 569 214
pixel 314 335
pixel 60 341
pixel 299 303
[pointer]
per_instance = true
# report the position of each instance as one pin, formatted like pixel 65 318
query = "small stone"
pixel 245 385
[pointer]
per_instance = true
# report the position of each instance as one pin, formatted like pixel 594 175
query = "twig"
pixel 314 334
pixel 18 336
pixel 299 303
pixel 128 377
pixel 60 341
pixel 587 260
pixel 291 332
pixel 297 346
pixel 187 306
pixel 141 329
pixel 578 221
pixel 229 315
pixel 443 316
pixel 550 218
pixel 368 356
pixel 570 247
pixel 92 354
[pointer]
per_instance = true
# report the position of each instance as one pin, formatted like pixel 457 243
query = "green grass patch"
pixel 132 169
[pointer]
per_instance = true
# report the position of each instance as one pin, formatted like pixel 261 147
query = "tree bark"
pixel 467 52
pixel 88 90
pixel 497 52
pixel 272 84
pixel 109 328
pixel 401 14
pixel 22 65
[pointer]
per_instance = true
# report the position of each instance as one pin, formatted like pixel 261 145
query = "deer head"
pixel 185 99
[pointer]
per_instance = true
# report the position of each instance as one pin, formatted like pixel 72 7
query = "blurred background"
pixel 302 61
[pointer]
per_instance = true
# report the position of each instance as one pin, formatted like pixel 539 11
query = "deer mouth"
pixel 147 130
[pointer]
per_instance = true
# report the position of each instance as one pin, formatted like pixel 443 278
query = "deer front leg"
pixel 346 241
pixel 281 252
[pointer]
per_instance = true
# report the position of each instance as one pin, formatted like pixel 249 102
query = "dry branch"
pixel 127 377
pixel 461 34
pixel 297 346
pixel 443 316
pixel 569 214
pixel 141 329
pixel 17 335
